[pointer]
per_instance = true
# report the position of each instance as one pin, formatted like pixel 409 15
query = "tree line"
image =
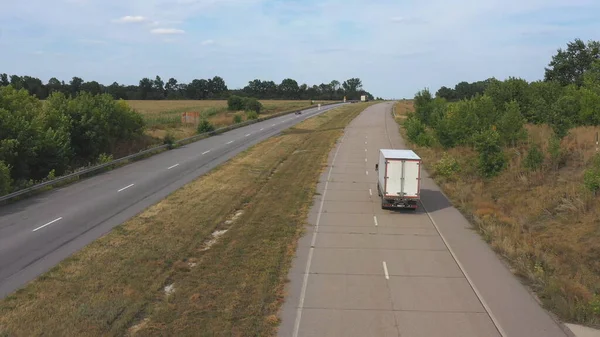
pixel 198 89
pixel 491 115
pixel 43 139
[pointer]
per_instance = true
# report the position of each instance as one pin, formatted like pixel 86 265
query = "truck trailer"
pixel 398 179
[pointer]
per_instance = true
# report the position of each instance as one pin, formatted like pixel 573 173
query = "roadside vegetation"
pixel 43 140
pixel 520 160
pixel 162 117
pixel 211 259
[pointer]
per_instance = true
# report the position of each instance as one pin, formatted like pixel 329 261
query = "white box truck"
pixel 399 179
pixel 363 98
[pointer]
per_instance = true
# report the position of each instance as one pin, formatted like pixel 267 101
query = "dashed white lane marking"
pixel 48 224
pixel 365 150
pixel 375 220
pixel 365 160
pixel 262 129
pixel 367 172
pixel 248 134
pixel 273 124
pixel 229 142
pixel 370 192
pixel 205 152
pixel 385 271
pixel 170 167
pixel 126 187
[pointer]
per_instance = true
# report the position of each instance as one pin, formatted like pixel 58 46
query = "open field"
pixel 212 257
pixel 542 222
pixel 162 116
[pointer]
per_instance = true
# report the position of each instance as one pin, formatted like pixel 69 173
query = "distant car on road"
pixel 298 112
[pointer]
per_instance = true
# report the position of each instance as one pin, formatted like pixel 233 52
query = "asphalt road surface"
pixel 39 232
pixel 363 271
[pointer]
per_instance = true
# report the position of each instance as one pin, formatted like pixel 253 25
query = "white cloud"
pixel 396 48
pixel 166 31
pixel 131 19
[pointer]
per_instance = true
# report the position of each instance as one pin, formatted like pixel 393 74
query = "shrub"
pixel 591 177
pixel 235 103
pixel 104 158
pixel 491 157
pixel 5 180
pixel 205 126
pixel 512 124
pixel 251 115
pixel 414 128
pixel 237 119
pixel 169 139
pixel 557 158
pixel 534 158
pixel 252 104
pixel 447 167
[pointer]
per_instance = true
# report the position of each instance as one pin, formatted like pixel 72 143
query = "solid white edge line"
pixel 460 266
pixel 205 152
pixel 385 271
pixel 312 245
pixel 173 166
pixel 48 224
pixel 126 187
pixel 375 220
pixel 477 293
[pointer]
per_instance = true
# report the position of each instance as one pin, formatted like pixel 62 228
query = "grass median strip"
pixel 209 260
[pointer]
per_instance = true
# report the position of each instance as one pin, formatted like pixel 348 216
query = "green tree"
pixel 491 157
pixel 512 124
pixel 568 66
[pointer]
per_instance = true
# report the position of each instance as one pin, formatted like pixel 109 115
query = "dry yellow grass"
pixel 543 222
pixel 162 116
pixel 116 285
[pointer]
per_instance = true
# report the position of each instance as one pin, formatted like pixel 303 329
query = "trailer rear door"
pixel 393 184
pixel 412 178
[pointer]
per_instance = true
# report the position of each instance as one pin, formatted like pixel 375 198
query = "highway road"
pixel 363 271
pixel 39 232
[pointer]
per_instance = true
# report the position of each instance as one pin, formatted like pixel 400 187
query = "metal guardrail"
pixel 142 153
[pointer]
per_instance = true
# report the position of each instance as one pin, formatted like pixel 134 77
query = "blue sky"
pixel 395 47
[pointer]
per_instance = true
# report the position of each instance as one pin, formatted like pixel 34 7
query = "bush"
pixel 491 157
pixel 251 115
pixel 104 158
pixel 414 128
pixel 557 158
pixel 5 180
pixel 237 119
pixel 235 103
pixel 534 158
pixel 447 167
pixel 169 139
pixel 591 177
pixel 252 104
pixel 205 126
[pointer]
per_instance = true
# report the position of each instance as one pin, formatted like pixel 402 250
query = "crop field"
pixel 543 221
pixel 163 116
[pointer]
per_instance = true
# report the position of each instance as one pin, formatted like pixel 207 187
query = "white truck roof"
pixel 399 154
